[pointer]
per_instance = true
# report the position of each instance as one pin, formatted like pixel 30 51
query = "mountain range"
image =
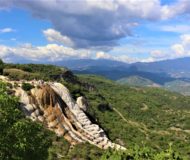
pixel 160 73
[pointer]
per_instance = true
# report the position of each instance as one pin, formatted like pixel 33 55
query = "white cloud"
pixel 178 50
pixel 185 40
pixel 55 36
pixel 99 23
pixel 103 55
pixel 182 49
pixel 122 58
pixel 6 30
pixel 96 23
pixel 50 52
pixel 175 9
pixel 126 59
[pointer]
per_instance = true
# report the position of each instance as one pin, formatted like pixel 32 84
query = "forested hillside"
pixel 143 116
pixel 151 123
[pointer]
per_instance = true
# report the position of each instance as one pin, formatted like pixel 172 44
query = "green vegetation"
pixel 17 74
pixel 34 71
pixel 140 116
pixel 179 86
pixel 27 86
pixel 143 153
pixel 20 138
pixel 145 120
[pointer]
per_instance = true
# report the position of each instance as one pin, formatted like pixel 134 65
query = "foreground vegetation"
pixel 152 123
pixel 19 137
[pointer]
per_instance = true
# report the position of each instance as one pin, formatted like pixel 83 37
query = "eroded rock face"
pixel 51 104
pixel 82 103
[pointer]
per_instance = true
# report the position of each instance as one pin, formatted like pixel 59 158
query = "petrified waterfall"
pixel 51 104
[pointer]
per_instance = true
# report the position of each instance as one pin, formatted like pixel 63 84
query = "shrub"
pixel 27 86
pixel 20 138
pixel 142 153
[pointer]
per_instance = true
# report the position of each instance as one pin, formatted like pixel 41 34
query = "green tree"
pixel 20 138
pixel 1 66
pixel 27 86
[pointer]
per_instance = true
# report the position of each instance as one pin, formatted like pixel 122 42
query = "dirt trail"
pixel 141 126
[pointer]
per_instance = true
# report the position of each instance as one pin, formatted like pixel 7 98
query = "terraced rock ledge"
pixel 51 104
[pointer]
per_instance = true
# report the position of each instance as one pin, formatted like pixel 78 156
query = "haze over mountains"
pixel 175 68
pixel 160 73
pixel 173 74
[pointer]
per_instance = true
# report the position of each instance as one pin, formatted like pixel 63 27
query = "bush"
pixel 142 153
pixel 20 138
pixel 27 86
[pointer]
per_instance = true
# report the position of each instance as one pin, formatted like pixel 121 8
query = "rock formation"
pixel 51 104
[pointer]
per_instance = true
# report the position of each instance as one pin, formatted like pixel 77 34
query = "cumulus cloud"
pixel 6 30
pixel 178 50
pixel 55 36
pixel 182 49
pixel 122 58
pixel 50 52
pixel 95 25
pixel 175 9
pixel 103 55
pixel 185 40
pixel 100 23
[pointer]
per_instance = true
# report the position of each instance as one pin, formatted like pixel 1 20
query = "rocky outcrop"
pixel 82 103
pixel 51 104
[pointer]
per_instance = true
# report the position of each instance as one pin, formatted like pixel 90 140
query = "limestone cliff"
pixel 51 104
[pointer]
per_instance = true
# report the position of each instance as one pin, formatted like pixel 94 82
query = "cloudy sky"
pixel 124 30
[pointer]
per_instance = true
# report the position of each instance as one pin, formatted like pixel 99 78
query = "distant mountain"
pixel 178 86
pixel 136 81
pixel 176 67
pixel 117 72
pixel 173 75
pixel 175 72
pixel 85 64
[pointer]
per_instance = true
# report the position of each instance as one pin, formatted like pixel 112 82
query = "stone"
pixel 82 103
pixel 52 104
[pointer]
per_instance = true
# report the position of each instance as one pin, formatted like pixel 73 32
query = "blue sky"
pixel 129 31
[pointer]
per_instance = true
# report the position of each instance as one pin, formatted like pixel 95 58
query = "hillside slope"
pixel 136 81
pixel 150 116
pixel 130 116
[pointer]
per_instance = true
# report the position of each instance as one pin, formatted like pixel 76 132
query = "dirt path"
pixel 141 126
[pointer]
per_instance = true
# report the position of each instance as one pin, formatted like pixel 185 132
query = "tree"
pixel 27 86
pixel 1 66
pixel 20 138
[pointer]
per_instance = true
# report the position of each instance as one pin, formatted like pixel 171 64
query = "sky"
pixel 123 30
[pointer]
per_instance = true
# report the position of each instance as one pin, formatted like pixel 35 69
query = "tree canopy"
pixel 20 138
